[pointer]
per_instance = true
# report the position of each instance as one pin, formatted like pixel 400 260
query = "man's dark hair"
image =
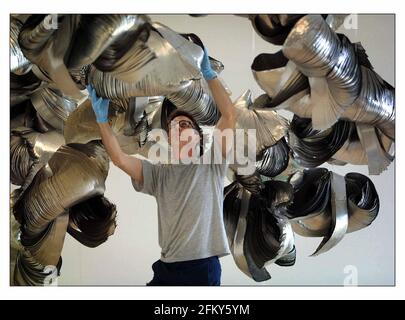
pixel 177 113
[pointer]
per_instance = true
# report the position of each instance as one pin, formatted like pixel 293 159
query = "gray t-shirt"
pixel 190 202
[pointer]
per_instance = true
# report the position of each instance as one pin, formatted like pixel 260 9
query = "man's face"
pixel 183 138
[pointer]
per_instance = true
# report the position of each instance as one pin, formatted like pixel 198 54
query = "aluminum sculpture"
pixel 344 112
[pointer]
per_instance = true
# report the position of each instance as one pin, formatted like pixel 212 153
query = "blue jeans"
pixel 200 272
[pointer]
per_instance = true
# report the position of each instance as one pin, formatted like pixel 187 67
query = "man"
pixel 189 196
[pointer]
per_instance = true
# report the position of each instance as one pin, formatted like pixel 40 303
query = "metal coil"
pixel 311 147
pixel 313 46
pixel 19 64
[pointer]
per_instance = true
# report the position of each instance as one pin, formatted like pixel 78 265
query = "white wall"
pixel 126 258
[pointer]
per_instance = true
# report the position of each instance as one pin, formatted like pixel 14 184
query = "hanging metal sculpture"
pixel 321 75
pixel 344 113
pixel 258 234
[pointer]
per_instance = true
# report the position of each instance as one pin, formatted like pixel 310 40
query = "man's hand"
pixel 131 165
pixel 206 69
pixel 99 104
pixel 222 100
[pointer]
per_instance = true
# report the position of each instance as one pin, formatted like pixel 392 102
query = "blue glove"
pixel 99 104
pixel 206 69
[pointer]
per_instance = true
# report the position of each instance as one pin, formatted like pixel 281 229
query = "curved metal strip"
pixel 334 21
pixel 375 105
pixel 91 222
pixel 251 183
pixel 311 194
pixel 256 273
pixel 198 101
pixel 363 202
pixel 279 78
pixel 189 53
pixel 313 46
pixel 288 259
pixel 15 245
pixel 278 195
pixel 293 169
pixel 378 158
pixel 216 65
pixel 81 125
pixel 339 215
pixel 312 147
pixel 286 253
pixel 21 87
pixel 255 232
pixel 300 105
pixel 238 251
pixel 274 159
pixel 107 86
pixel 344 80
pixel 35 34
pixel 136 62
pixel 22 17
pixel 262 240
pixel 73 174
pixel 273 28
pixel 53 107
pixel 236 211
pixel 97 32
pixel 363 208
pixel 149 69
pixel 29 152
pixel 21 161
pixel 134 114
pixel 270 127
pixel 48 47
pixel 315 226
pixel 19 64
pixel 325 111
pixel 294 87
pixel 79 76
pixel 28 272
pixel 331 63
pixel 351 152
pixel 268 238
pixel 46 247
pixel 268 70
pixel 231 211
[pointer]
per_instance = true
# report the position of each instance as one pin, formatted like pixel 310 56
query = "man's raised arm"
pixel 222 100
pixel 131 165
